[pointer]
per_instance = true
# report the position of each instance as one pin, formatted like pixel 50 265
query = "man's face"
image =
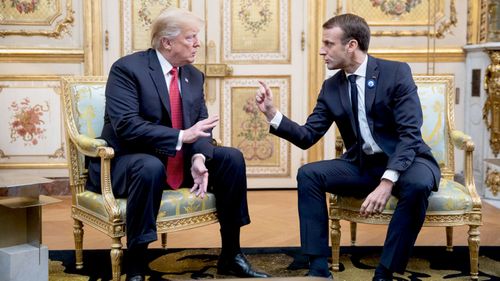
pixel 335 54
pixel 183 47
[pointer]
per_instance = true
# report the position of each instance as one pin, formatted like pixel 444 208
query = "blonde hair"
pixel 169 24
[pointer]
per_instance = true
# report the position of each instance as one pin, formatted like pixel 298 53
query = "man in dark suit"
pixel 157 122
pixel 375 105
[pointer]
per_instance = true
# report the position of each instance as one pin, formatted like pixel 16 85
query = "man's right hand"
pixel 264 101
pixel 200 129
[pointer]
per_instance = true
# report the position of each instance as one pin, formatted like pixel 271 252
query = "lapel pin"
pixel 185 79
pixel 370 83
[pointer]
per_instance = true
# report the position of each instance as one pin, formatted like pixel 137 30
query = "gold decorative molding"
pixel 476 21
pixel 491 109
pixel 438 32
pixel 42 55
pixel 493 181
pixel 215 69
pixel 60 28
pixel 93 62
pixel 316 67
pixel 420 55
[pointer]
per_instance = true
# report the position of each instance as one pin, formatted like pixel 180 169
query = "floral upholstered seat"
pixel 455 203
pixel 84 103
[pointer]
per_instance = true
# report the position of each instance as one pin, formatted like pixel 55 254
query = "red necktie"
pixel 175 165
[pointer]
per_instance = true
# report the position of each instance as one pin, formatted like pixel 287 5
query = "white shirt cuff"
pixel 196 155
pixel 275 122
pixel 179 141
pixel 391 175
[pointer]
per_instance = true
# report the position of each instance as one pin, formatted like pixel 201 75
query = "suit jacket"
pixel 393 112
pixel 138 117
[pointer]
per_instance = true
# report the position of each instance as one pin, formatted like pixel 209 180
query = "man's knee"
pixel 149 167
pixel 305 175
pixel 417 189
pixel 232 156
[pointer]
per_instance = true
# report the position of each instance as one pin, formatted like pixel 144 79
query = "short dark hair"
pixel 354 27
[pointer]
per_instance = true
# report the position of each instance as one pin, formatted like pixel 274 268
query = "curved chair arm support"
pixel 89 146
pixel 464 142
pixel 106 154
pixel 460 139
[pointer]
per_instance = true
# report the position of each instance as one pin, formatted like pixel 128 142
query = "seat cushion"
pixel 174 204
pixel 451 198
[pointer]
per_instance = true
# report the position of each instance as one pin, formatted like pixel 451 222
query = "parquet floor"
pixel 274 224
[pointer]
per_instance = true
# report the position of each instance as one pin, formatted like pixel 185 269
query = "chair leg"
pixel 449 238
pixel 78 234
pixel 116 258
pixel 164 240
pixel 353 226
pixel 474 251
pixel 335 237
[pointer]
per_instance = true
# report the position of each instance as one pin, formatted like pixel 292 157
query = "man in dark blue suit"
pixel 157 122
pixel 375 105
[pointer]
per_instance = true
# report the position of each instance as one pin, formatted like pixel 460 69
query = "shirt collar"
pixel 165 65
pixel 361 71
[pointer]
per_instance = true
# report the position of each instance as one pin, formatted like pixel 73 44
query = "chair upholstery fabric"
pixel 174 204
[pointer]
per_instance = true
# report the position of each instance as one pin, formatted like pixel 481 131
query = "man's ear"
pixel 166 43
pixel 352 45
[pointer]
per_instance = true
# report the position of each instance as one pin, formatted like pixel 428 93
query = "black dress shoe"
pixel 135 278
pixel 238 266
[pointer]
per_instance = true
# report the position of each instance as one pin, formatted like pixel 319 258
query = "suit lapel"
pixel 371 83
pixel 187 96
pixel 156 74
pixel 345 99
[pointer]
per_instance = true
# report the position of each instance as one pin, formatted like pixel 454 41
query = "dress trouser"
pixel 344 178
pixel 141 179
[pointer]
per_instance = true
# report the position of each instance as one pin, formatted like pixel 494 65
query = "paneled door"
pixel 243 41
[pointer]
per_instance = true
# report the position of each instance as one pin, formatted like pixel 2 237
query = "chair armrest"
pixel 98 148
pixel 106 154
pixel 460 139
pixel 88 146
pixel 464 142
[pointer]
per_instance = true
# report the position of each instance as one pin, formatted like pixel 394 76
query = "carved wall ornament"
pixel 491 109
pixel 46 16
pixel 395 7
pixel 493 181
pixel 399 13
pixel 255 15
pixel 144 14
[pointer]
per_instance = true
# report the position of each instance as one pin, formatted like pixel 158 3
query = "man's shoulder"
pixel 385 62
pixel 134 57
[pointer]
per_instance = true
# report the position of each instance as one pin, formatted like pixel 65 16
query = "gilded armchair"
pixel 455 204
pixel 84 102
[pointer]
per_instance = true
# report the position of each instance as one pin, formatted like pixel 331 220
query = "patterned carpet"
pixel 357 263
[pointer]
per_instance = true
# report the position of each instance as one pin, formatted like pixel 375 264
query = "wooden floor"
pixel 274 224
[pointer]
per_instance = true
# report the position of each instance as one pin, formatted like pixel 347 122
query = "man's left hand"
pixel 376 200
pixel 200 177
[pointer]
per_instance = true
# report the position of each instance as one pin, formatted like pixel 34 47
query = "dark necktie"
pixel 354 105
pixel 175 165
